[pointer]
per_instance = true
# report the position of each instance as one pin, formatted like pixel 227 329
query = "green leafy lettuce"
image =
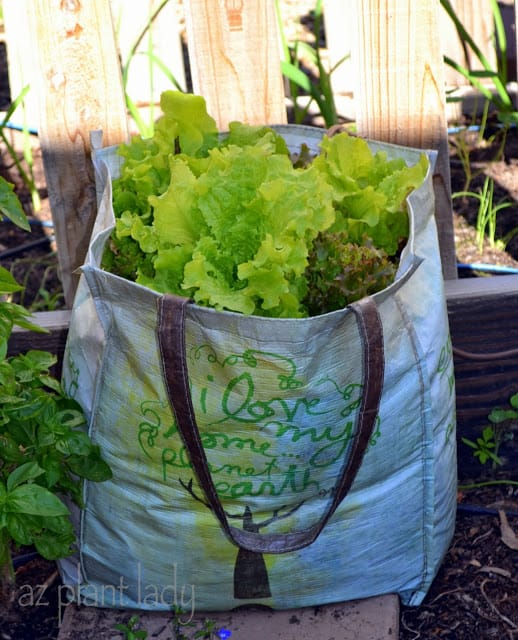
pixel 230 220
pixel 370 191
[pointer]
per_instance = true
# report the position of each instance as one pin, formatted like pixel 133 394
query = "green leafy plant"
pixel 208 630
pixel 484 448
pixel 130 630
pixel 44 450
pixel 487 214
pixel 10 206
pixel 498 94
pixel 461 144
pixel 503 421
pixel 47 300
pixel 318 89
pixel 27 176
pixel 465 139
pixel 230 221
pixel 340 272
pixel 146 129
pixel 43 273
pixel 492 85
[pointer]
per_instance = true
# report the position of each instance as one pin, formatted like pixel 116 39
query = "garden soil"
pixel 475 594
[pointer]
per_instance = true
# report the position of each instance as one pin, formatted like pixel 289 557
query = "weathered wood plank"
pixel 341 41
pixel 476 290
pixel 234 58
pixel 54 341
pixel 472 304
pixel 146 79
pixel 477 17
pixel 21 60
pixel 79 89
pixel 400 95
pixel 483 317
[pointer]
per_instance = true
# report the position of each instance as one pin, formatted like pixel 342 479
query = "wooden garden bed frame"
pixel 483 320
pixel 399 97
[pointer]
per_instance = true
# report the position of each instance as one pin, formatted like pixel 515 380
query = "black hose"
pixel 8 253
pixel 495 269
pixel 20 561
pixel 484 511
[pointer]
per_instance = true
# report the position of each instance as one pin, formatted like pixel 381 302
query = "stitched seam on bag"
pixel 99 383
pixel 413 341
pixel 91 432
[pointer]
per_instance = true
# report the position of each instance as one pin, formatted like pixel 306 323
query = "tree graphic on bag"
pixel 250 573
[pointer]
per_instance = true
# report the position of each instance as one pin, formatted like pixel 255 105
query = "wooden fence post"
pixel 160 48
pixel 477 17
pixel 341 41
pixel 21 61
pixel 79 90
pixel 235 60
pixel 400 95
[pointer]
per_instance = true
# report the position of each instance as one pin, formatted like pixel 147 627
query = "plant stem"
pixel 7 577
pixel 487 483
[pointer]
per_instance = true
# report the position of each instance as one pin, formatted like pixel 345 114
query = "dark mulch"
pixel 486 158
pixel 34 614
pixel 475 594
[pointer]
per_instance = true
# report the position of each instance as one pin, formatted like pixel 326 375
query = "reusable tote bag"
pixel 279 462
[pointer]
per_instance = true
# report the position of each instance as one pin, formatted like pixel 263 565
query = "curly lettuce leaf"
pixel 185 126
pixel 245 135
pixel 250 218
pixel 186 118
pixel 175 218
pixel 370 190
pixel 230 220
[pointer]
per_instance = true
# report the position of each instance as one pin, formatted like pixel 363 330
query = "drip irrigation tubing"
pixel 451 130
pixel 475 266
pixel 20 561
pixel 477 127
pixel 487 268
pixel 20 127
pixel 34 222
pixel 9 253
pixel 473 509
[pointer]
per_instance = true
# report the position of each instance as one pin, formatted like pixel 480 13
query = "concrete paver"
pixel 370 619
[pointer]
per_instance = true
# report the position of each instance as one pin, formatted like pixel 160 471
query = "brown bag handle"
pixel 171 338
